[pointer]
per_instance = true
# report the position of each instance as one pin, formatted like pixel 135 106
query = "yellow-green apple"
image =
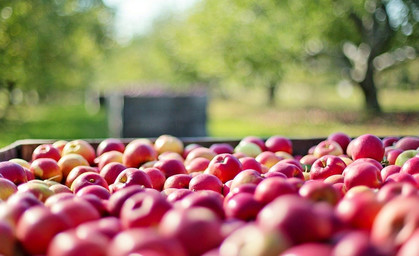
pixel 59 144
pixel 245 177
pixel 168 143
pixel 13 172
pixel 46 151
pixel 88 179
pixel 299 220
pixel 76 171
pixel 82 148
pixel 394 189
pixel 197 229
pixel 7 238
pixel 319 191
pixel 175 194
pixel 110 144
pixel 70 244
pixel 327 147
pixel 206 182
pixel 156 176
pixel 36 187
pixel 289 169
pixel 203 198
pixel 268 158
pixel 144 209
pixel 7 188
pixel 389 170
pixel 392 155
pixel 408 143
pixel 257 140
pixel 406 155
pixel 307 161
pixel 367 146
pixel 224 166
pixel 248 148
pixel 37 227
pixel 137 153
pixel 108 157
pixel 75 211
pixel 326 166
pixel 341 138
pixel 68 162
pixel 251 163
pixel 390 141
pixel 356 242
pixel 198 164
pixel 242 206
pixel 177 181
pixel 260 243
pixel 308 249
pixel 46 169
pixel 118 198
pixel 170 167
pixel 130 177
pixel 221 148
pixel 95 190
pixel 111 171
pixel 395 223
pixel 358 210
pixel 411 166
pixel 362 173
pixel 271 188
pixel 279 143
pixel 144 241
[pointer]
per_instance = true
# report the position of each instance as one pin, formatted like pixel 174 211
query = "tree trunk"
pixel 272 88
pixel 369 90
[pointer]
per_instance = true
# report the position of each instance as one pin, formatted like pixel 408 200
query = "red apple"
pixel 258 141
pixel 7 188
pixel 341 138
pixel 111 171
pixel 108 227
pixel 362 174
pixel 156 176
pixel 326 166
pixel 82 148
pixel 368 146
pixel 271 188
pixel 95 190
pixel 327 147
pixel 110 144
pixel 16 205
pixel 70 161
pixel 356 243
pixel 242 206
pixel 46 169
pixel 250 163
pixel 307 162
pixel 188 148
pixel 198 164
pixel 309 249
pixel 224 166
pixel 402 177
pixel 54 199
pixel 203 198
pixel 59 144
pixel 411 166
pixel 131 176
pixel 408 143
pixel 392 155
pixel 268 158
pixel 410 247
pixel 246 177
pixel 46 151
pixel 390 141
pixel 278 143
pixel 137 153
pixel 394 189
pixel 175 194
pixel 222 148
pixel 108 157
pixel 319 191
pixel 118 198
pixel 389 170
pixel 170 167
pixel 200 152
pixel 13 172
pixel 76 171
pixel 177 181
pixel 88 179
pixel 290 170
pixel 75 211
pixel 206 182
pixel 7 238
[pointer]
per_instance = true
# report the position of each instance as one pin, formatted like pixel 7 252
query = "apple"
pixel 402 177
pixel 46 151
pixel 319 191
pixel 389 170
pixel 197 229
pixel 54 199
pixel 111 171
pixel 170 155
pixel 290 170
pixel 410 247
pixel 110 144
pixel 82 148
pixel 156 176
pixel 408 143
pixel 248 148
pixel 36 187
pixel 170 167
pixel 356 242
pixel 59 144
pixel 200 152
pixel 308 249
pixel 242 206
pixel 224 166
pixel 7 238
pixel 198 164
pixel 327 147
pixel 333 179
pixel 268 158
pixel 168 143
pixel 68 243
pixel 75 211
pixel 188 148
pixel 95 190
pixel 108 227
pixel 411 166
pixel 34 220
pixel 389 141
pixel 69 161
pixel 256 140
pixel 206 182
pixel 177 181
pixel 392 155
pixel 250 163
pixel 108 157
pixel 76 171
pixel 88 179
pixel 367 146
pixel 260 243
pixel 222 148
pixel 13 172
pixel 279 143
pixel 16 205
pixel 246 177
pixel 271 188
pixel 21 162
pixel 117 199
pixel 395 189
pixel 341 138
pixel 46 169
pixel 406 155
pixel 203 198
pixel 137 153
pixel 362 174
pixel 326 166
pixel 307 162
pixel 131 176
pixel 175 194
pixel 7 188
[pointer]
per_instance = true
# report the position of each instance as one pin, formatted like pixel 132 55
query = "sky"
pixel 135 16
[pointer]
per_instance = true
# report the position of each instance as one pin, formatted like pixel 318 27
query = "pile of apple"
pixel 160 197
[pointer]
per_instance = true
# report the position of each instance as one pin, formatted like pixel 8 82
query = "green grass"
pixel 300 112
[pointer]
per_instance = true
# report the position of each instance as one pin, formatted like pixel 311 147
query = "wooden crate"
pixel 24 148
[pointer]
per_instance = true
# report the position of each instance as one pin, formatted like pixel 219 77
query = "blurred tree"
pixel 51 45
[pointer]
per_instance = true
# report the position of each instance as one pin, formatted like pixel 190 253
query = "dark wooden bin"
pixel 24 148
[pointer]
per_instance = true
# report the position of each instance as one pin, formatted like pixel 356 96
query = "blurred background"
pixel 86 68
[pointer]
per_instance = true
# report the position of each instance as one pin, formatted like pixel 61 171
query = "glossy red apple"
pixel 175 194
pixel 170 167
pixel 88 179
pixel 156 176
pixel 290 170
pixel 13 172
pixel 246 177
pixel 341 138
pixel 319 191
pixel 268 158
pixel 271 188
pixel 137 153
pixel 408 143
pixel 118 198
pixel 77 171
pixel 257 140
pixel 389 170
pixel 200 152
pixel 402 178
pixel 279 143
pixel 242 206
pixel 108 157
pixel 75 211
pixel 362 174
pixel 198 164
pixel 222 148
pixel 224 166
pixel 108 227
pixel 70 161
pixel 130 177
pixel 389 141
pixel 206 182
pixel 411 166
pixel 7 238
pixel 395 189
pixel 95 190
pixel 367 146
pixel 36 187
pixel 327 147
pixel 203 198
pixel 188 148
pixel 392 155
pixel 46 151
pixel 46 169
pixel 333 179
pixel 82 148
pixel 251 163
pixel 177 181
pixel 356 242
pixel 111 171
pixel 110 144
pixel 327 166
pixel 309 249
